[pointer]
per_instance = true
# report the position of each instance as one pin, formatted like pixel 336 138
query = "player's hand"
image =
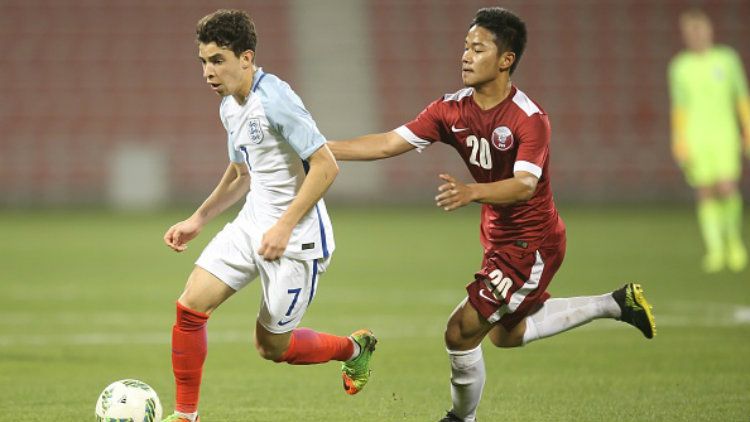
pixel 274 242
pixel 181 233
pixel 680 153
pixel 453 194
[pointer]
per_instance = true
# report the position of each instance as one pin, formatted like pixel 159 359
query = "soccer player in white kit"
pixel 282 234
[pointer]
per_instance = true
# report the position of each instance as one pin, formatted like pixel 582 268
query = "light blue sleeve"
pixel 234 155
pixel 288 116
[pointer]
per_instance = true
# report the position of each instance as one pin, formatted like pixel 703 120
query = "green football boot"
pixel 635 309
pixel 176 417
pixel 356 372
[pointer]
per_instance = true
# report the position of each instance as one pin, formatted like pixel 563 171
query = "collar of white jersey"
pixel 257 77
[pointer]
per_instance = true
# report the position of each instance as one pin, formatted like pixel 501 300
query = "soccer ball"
pixel 128 401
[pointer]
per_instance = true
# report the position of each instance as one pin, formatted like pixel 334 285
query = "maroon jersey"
pixel 512 136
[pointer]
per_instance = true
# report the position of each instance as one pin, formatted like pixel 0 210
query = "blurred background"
pixel 103 102
pixel 103 108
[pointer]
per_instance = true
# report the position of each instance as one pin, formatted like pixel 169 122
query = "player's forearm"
pixel 233 186
pixel 678 125
pixel 369 147
pixel 322 173
pixel 503 192
pixel 679 143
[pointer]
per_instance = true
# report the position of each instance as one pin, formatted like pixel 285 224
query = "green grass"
pixel 87 298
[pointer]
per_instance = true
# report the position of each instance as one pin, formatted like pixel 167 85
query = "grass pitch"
pixel 87 298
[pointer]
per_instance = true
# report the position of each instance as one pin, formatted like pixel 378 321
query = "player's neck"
pixel 247 85
pixel 702 49
pixel 492 93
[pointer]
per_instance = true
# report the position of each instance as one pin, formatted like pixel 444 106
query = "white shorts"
pixel 289 284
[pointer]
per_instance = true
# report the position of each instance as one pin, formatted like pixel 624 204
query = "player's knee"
pixel 726 189
pixel 193 299
pixel 496 339
pixel 454 340
pixel 198 306
pixel 269 351
pixel 506 342
pixel 501 337
pixel 704 193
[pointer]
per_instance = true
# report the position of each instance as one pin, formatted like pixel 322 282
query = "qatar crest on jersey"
pixel 502 138
pixel 255 130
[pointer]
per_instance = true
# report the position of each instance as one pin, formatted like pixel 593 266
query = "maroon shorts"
pixel 512 285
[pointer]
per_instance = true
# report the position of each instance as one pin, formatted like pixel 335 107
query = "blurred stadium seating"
pixel 82 77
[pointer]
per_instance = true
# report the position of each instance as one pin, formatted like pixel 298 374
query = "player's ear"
pixel 247 58
pixel 506 60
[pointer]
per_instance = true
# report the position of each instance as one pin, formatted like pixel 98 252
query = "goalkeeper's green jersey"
pixel 706 86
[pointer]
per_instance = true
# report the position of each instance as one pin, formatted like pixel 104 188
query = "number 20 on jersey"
pixel 480 152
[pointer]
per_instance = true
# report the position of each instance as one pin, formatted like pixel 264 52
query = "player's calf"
pixel 270 346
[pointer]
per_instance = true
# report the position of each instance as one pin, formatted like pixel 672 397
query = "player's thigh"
pixel 510 286
pixel 502 337
pixel 230 258
pixel 710 168
pixel 225 266
pixel 204 292
pixel 466 327
pixel 289 287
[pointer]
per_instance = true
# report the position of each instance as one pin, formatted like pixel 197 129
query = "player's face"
pixel 481 61
pixel 226 73
pixel 696 32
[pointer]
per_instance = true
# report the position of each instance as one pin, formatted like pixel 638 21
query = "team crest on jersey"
pixel 718 73
pixel 502 138
pixel 255 130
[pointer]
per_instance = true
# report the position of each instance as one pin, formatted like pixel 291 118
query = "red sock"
pixel 189 350
pixel 307 346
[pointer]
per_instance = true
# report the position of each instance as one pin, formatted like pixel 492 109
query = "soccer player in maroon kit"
pixel 503 137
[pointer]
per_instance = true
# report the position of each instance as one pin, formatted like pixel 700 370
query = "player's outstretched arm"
pixel 370 147
pixel 453 194
pixel 233 185
pixel 323 170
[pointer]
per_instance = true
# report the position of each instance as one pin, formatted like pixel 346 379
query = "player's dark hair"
pixel 508 28
pixel 231 29
pixel 695 13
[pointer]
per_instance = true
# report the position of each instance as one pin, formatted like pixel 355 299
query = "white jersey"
pixel 274 134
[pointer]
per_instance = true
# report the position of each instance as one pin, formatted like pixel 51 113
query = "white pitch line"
pixel 738 316
pixel 742 315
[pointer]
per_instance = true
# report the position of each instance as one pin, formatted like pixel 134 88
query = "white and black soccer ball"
pixel 128 401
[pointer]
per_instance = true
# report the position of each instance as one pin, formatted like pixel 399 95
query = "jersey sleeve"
pixel 426 128
pixel 235 156
pixel 288 116
pixel 533 145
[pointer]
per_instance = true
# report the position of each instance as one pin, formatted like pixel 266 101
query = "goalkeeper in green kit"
pixel 709 98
